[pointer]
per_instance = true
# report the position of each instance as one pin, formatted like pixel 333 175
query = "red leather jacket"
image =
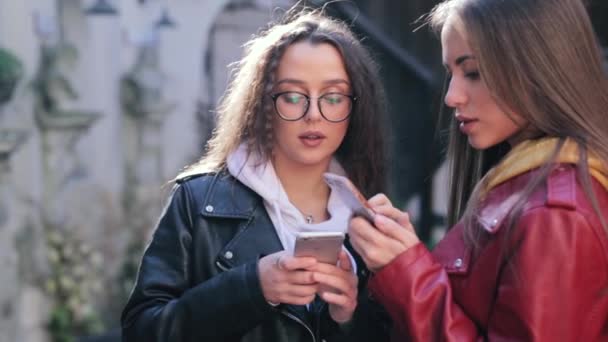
pixel 548 283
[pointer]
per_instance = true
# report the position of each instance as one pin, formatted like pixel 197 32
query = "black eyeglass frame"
pixel 274 98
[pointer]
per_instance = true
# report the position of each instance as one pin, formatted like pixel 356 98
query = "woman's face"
pixel 479 116
pixel 313 70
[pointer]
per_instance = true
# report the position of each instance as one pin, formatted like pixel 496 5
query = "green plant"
pixel 73 285
pixel 11 71
pixel 130 266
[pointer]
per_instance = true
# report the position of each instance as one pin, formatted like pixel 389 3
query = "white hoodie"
pixel 287 219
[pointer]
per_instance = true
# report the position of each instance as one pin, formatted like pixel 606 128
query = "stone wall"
pixel 110 108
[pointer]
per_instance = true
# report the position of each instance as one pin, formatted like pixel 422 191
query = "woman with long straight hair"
pixel 527 256
pixel 305 100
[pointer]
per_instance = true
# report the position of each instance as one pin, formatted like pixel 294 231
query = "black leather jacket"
pixel 198 280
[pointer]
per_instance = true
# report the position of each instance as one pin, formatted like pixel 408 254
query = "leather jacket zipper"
pixel 221 266
pixel 317 316
pixel 289 315
pixel 293 317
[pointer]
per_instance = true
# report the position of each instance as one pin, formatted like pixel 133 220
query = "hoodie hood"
pixel 532 154
pixel 288 221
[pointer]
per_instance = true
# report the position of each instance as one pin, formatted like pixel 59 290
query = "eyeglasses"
pixel 292 106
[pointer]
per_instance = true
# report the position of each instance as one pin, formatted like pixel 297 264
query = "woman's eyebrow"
pixel 459 61
pixel 290 81
pixel 337 81
pixel 462 59
pixel 299 82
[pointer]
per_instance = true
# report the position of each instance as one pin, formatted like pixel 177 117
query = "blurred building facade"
pixel 116 96
pixel 114 100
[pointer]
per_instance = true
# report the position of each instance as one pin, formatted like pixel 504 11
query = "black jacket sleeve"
pixel 166 305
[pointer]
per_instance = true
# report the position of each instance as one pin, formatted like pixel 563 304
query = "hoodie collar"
pixel 532 154
pixel 525 157
pixel 259 175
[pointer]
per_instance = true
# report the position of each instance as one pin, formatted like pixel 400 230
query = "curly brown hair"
pixel 246 110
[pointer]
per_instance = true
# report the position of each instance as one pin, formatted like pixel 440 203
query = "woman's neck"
pixel 305 188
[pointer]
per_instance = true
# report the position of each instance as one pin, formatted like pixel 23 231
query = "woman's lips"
pixel 466 123
pixel 466 127
pixel 311 139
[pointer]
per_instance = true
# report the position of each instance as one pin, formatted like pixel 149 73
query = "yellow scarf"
pixel 532 154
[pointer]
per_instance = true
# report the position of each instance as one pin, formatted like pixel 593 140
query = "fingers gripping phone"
pixel 350 195
pixel 323 246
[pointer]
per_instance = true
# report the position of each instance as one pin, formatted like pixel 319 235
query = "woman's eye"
pixel 292 98
pixel 333 99
pixel 473 75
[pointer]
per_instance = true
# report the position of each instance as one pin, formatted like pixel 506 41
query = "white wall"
pixel 107 49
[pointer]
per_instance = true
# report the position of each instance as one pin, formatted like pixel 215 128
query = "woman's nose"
pixel 313 113
pixel 456 94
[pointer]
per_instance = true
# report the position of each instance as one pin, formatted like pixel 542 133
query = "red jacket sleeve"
pixel 554 287
pixel 416 293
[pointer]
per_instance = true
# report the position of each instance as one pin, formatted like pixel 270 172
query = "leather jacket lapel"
pixel 256 237
pixel 228 199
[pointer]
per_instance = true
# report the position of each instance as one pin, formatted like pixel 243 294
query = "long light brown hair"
pixel 540 59
pixel 246 110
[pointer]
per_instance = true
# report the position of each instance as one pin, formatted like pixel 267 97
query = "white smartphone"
pixel 323 246
pixel 350 195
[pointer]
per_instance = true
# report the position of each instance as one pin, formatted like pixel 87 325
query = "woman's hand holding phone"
pixel 294 280
pixel 338 287
pixel 287 279
pixel 333 274
pixel 390 235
